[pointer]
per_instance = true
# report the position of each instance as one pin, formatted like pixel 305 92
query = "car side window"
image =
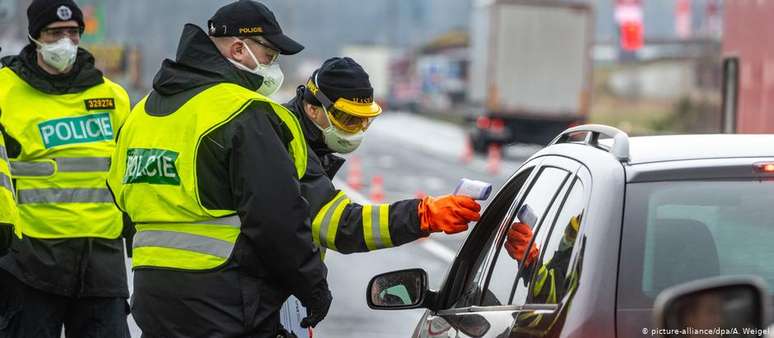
pixel 473 259
pixel 543 191
pixel 550 279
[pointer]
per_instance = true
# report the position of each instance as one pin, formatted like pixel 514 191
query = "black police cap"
pixel 341 77
pixel 41 13
pixel 249 18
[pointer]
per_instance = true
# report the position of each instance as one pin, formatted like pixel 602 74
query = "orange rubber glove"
pixel 519 235
pixel 449 213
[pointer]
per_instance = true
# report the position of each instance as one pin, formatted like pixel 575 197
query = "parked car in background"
pixel 650 213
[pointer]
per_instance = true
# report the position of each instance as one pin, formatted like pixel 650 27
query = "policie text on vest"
pixel 81 129
pixel 154 166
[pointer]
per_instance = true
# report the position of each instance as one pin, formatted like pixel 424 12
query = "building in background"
pixel 748 100
pixel 324 27
pixel 434 77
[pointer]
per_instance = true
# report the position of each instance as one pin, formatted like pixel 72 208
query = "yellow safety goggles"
pixel 347 115
pixel 348 122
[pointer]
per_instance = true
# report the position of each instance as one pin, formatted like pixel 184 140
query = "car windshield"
pixel 675 232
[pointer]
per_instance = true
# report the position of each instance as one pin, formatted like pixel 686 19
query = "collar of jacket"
pixel 82 76
pixel 199 63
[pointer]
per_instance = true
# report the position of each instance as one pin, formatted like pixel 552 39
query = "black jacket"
pixel 318 189
pixel 76 267
pixel 244 165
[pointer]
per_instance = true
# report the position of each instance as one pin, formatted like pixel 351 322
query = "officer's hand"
pixel 450 213
pixel 318 306
pixel 519 235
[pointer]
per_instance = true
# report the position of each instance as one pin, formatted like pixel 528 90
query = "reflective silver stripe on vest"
pixel 183 241
pixel 232 221
pixel 3 152
pixel 19 168
pixel 83 164
pixel 326 221
pixel 29 196
pixel 64 164
pixel 5 182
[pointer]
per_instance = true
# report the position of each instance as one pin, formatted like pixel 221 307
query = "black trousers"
pixel 215 304
pixel 28 312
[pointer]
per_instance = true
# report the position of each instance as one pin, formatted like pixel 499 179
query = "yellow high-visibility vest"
pixel 67 141
pixel 154 179
pixel 8 212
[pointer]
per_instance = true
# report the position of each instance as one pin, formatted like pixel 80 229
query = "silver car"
pixel 617 219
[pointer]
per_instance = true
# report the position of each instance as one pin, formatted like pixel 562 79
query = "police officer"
pixel 207 167
pixel 58 116
pixel 336 107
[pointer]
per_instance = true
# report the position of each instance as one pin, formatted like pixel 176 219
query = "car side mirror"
pixel 403 289
pixel 727 303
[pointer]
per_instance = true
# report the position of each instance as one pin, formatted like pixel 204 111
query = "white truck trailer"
pixel 530 69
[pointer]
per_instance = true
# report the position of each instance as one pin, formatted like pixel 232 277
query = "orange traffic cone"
pixel 377 189
pixel 355 173
pixel 467 152
pixel 493 159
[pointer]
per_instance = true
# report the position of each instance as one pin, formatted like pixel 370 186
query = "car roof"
pixel 648 149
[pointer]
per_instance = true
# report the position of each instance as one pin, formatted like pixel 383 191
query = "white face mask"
pixel 60 55
pixel 271 73
pixel 338 140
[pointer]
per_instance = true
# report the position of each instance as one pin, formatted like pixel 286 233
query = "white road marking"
pixel 433 247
